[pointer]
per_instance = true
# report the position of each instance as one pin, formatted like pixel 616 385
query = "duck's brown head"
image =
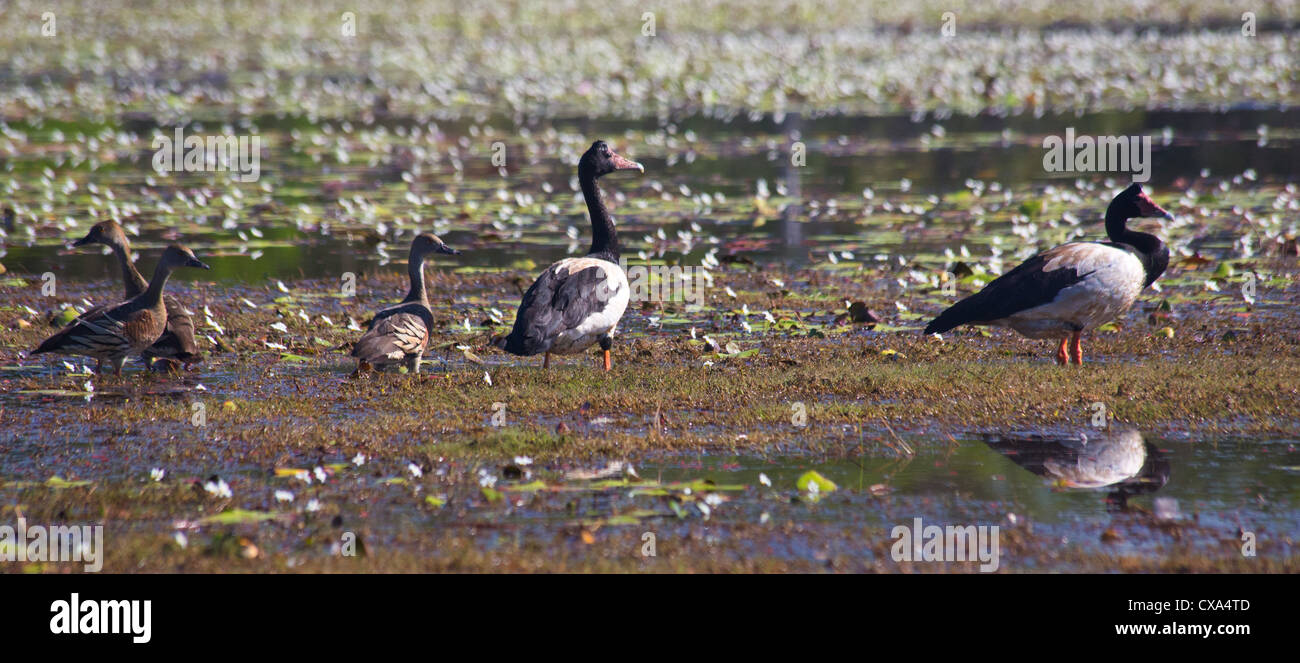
pixel 427 243
pixel 108 233
pixel 179 256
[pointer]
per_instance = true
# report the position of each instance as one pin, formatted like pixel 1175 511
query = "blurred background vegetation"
pixel 442 59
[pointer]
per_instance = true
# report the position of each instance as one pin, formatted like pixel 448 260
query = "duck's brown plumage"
pixel 112 333
pixel 400 333
pixel 177 341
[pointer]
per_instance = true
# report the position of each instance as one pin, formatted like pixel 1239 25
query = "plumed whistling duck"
pixel 400 333
pixel 112 333
pixel 1072 288
pixel 177 342
pixel 577 302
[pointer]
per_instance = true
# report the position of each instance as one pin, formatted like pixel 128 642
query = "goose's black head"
pixel 600 160
pixel 1134 202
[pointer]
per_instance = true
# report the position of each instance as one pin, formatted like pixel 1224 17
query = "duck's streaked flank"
pixel 112 333
pixel 399 334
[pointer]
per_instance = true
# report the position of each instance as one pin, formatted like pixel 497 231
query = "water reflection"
pixel 1118 460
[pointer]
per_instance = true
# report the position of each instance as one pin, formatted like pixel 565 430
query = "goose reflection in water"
pixel 1118 460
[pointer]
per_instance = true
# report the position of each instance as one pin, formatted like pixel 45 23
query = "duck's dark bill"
pixel 195 262
pixel 443 248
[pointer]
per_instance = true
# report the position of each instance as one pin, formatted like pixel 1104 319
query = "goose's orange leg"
pixel 1062 356
pixel 608 364
pixel 1076 348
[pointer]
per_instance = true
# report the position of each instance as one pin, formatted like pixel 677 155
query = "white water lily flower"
pixel 280 327
pixel 157 473
pixel 218 488
pixel 359 460
pixel 414 470
pixel 762 478
pixel 313 505
pixel 320 474
pixel 283 496
pixel 487 378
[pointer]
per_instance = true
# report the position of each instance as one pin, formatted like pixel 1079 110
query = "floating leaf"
pixel 237 516
pixel 812 478
pixel 57 481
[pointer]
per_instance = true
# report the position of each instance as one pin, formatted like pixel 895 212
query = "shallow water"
pixel 1195 491
pixel 1220 486
pixel 936 157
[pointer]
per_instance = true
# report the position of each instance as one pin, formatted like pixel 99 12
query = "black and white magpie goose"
pixel 1072 288
pixel 577 302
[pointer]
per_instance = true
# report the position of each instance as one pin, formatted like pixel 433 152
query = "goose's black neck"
pixel 1152 252
pixel 415 268
pixel 604 239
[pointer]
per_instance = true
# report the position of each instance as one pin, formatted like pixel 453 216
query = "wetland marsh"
pixel 764 427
